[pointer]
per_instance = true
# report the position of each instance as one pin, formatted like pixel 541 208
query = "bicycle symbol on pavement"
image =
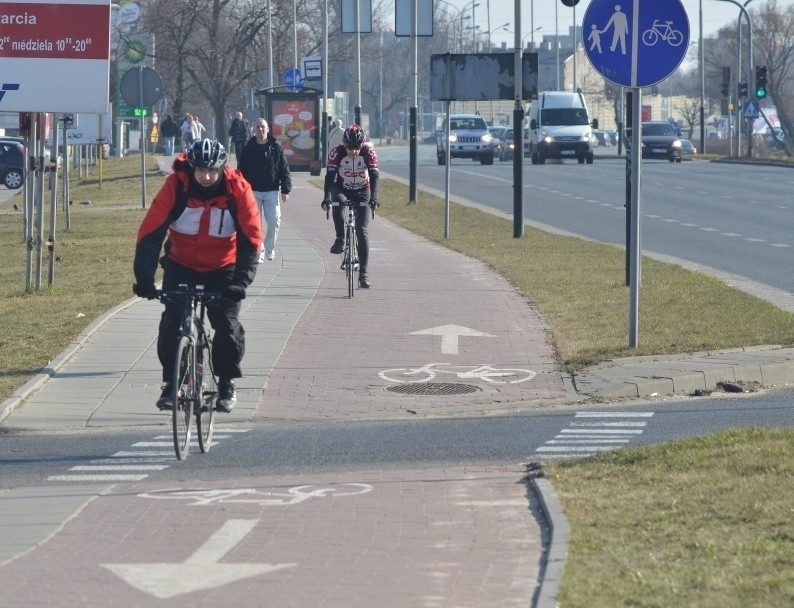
pixel 486 373
pixel 295 495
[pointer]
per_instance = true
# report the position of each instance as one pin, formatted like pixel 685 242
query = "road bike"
pixel 350 262
pixel 194 383
pixel 487 373
pixel 664 32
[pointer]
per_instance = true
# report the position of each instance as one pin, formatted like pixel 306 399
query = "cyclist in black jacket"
pixel 264 166
pixel 352 172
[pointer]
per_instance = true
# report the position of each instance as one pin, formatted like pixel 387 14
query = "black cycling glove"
pixel 145 289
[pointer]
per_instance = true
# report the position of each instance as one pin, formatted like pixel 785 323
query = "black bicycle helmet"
pixel 206 154
pixel 353 137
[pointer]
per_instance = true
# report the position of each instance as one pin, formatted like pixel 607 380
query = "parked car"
pixel 603 138
pixel 660 140
pixel 47 153
pixel 497 135
pixel 688 148
pixel 467 137
pixel 506 147
pixel 12 164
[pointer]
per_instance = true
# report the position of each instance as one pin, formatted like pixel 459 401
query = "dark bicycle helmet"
pixel 353 137
pixel 206 154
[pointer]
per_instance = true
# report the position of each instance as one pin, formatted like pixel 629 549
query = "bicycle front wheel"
pixel 205 417
pixel 351 256
pixel 184 394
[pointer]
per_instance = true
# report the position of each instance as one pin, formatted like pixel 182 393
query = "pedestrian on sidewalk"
pixel 335 135
pixel 193 210
pixel 263 163
pixel 239 133
pixel 352 173
pixel 169 130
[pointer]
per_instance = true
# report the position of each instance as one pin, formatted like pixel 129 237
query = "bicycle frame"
pixel 195 385
pixel 350 245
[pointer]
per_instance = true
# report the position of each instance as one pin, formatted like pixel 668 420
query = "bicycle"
pixel 194 383
pixel 350 263
pixel 662 31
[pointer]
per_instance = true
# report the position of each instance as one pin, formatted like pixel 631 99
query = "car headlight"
pixel 677 143
pixel 546 138
pixel 487 138
pixel 453 138
pixel 587 136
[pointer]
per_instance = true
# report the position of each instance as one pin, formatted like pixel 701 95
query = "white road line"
pixel 613 415
pixel 120 467
pixel 610 424
pixel 584 448
pixel 603 431
pixel 141 453
pixel 84 478
pixel 588 441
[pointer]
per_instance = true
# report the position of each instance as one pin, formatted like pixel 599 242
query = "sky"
pixel 716 14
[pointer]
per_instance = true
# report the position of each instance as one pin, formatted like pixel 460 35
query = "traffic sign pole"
pixel 635 44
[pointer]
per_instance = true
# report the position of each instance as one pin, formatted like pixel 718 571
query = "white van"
pixel 560 127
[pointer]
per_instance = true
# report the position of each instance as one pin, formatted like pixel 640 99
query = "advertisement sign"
pixel 294 119
pixel 56 57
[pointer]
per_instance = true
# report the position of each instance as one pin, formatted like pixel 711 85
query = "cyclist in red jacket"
pixel 211 220
pixel 352 172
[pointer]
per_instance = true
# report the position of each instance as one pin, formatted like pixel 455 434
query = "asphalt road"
pixel 738 219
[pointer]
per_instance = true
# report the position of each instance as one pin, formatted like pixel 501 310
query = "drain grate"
pixel 433 388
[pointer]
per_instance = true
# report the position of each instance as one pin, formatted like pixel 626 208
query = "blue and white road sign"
pixel 635 43
pixel 293 78
pixel 751 109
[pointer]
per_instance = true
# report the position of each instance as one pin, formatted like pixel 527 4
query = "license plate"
pixel 468 147
pixel 660 150
pixel 567 152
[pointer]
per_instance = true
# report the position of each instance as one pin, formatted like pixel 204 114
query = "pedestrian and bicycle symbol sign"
pixel 635 43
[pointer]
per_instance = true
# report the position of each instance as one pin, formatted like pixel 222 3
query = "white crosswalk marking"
pixel 132 465
pixel 611 431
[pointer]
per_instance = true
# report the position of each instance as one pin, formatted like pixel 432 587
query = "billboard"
pixel 55 56
pixel 294 121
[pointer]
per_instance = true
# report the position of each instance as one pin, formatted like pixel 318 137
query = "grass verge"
pixel 703 522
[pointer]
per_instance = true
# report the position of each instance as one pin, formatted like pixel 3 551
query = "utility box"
pixel 294 119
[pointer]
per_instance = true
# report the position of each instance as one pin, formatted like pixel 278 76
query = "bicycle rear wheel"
pixel 205 418
pixel 184 394
pixel 351 260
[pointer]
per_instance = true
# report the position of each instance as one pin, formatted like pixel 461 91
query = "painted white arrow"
pixel 199 571
pixel 449 336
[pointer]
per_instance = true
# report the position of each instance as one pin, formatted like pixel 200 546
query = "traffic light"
pixel 742 90
pixel 760 81
pixel 726 81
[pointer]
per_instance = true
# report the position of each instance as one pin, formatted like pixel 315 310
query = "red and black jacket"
pixel 206 232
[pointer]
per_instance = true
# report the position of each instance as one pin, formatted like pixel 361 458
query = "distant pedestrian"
pixel 335 135
pixel 187 132
pixel 169 130
pixel 239 132
pixel 264 165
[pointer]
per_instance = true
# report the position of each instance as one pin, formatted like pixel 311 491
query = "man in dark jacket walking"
pixel 239 134
pixel 264 166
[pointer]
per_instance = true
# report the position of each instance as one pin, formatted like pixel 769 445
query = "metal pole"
pixel 518 133
pixel 447 160
pixel 39 239
pixel 324 136
pixel 358 64
pixel 701 61
pixel 143 137
pixel 575 39
pixel 295 33
pixel 557 43
pixel 412 147
pixel 635 261
pixel 270 42
pixel 53 199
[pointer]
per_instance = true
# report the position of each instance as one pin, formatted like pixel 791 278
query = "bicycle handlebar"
pixel 188 292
